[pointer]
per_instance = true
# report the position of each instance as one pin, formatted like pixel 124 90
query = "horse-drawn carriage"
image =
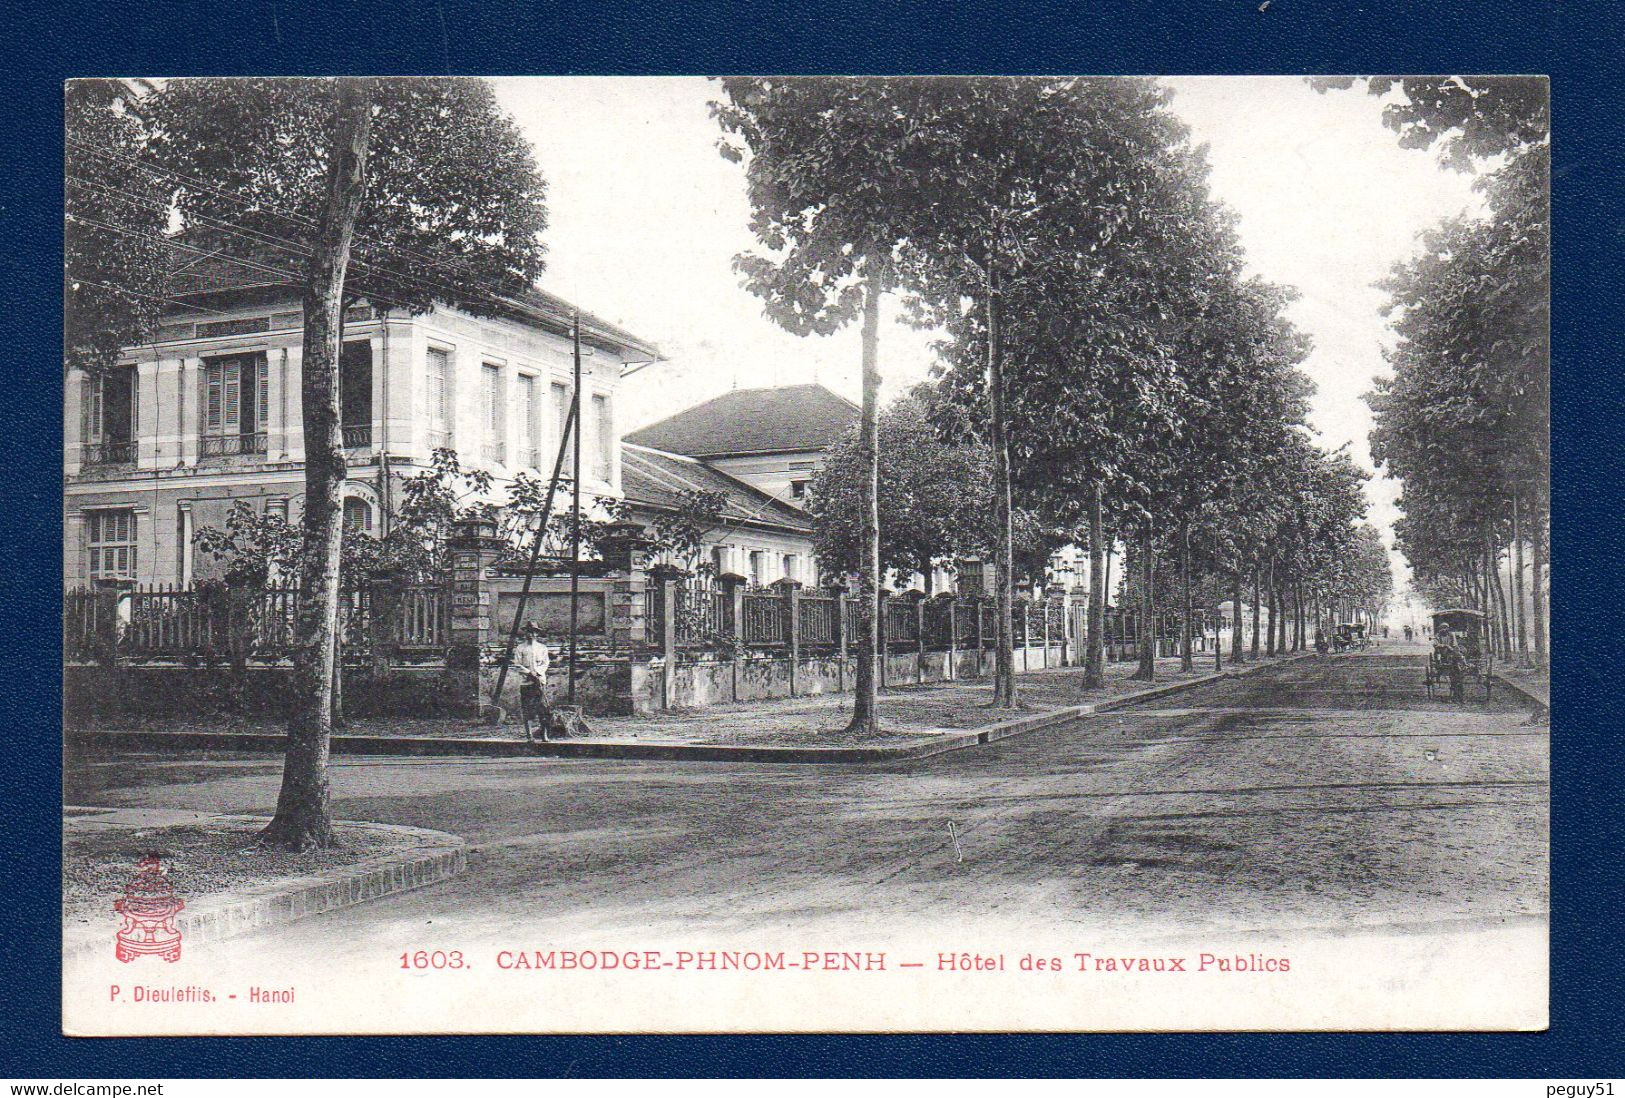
pixel 1349 636
pixel 1461 652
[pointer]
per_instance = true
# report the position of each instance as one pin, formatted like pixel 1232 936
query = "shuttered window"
pixel 491 399
pixel 439 398
pixel 110 543
pixel 236 404
pixel 530 442
pixel 561 418
pixel 603 428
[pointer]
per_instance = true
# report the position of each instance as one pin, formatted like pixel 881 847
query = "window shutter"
pixel 212 417
pixel 90 419
pixel 262 400
pixel 232 393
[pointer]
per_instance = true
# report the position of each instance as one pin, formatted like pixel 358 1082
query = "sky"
pixel 646 217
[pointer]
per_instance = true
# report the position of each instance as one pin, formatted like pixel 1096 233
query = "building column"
pixel 183 551
pixel 189 416
pixel 147 429
pixel 73 421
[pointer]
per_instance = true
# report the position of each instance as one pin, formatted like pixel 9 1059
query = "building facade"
pixel 208 414
pixel 758 536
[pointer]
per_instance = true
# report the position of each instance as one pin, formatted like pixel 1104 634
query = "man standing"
pixel 532 659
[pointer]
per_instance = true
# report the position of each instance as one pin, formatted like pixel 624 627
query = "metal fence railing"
pixel 163 622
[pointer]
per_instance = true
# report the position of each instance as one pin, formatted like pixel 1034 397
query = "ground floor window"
pixel 357 515
pixel 110 541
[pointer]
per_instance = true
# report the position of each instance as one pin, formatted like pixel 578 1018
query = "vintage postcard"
pixel 805 554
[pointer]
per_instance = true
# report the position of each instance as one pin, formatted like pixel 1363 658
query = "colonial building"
pixel 760 537
pixel 208 414
pixel 774 439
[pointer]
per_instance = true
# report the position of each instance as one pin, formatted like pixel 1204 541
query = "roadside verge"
pixel 429 858
pixel 938 744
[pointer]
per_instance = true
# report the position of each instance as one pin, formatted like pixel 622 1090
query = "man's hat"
pixel 531 629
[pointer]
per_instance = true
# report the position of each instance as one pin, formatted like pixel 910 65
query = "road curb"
pixel 668 752
pixel 289 900
pixel 1543 707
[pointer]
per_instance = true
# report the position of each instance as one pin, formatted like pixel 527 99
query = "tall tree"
pixel 405 193
pixel 841 174
pixel 1058 232
pixel 116 261
pixel 1465 421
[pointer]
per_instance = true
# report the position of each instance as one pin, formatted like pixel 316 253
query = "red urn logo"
pixel 149 907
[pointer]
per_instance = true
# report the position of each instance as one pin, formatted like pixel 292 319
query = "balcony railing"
pixel 358 437
pixel 109 453
pixel 231 445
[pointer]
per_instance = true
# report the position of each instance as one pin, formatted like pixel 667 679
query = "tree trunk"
pixel 1094 668
pixel 1187 658
pixel 336 708
pixel 1505 610
pixel 1236 653
pixel 1218 649
pixel 1520 619
pixel 1147 671
pixel 865 717
pixel 1004 667
pixel 1256 609
pixel 303 818
pixel 1270 603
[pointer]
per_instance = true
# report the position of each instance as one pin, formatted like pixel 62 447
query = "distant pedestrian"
pixel 531 659
pixel 1409 633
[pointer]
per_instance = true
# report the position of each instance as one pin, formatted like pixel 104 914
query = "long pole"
pixel 535 553
pixel 575 506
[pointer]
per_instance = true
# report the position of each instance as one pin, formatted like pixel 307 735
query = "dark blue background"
pixel 1575 42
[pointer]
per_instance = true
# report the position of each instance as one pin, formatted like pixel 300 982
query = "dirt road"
pixel 1324 794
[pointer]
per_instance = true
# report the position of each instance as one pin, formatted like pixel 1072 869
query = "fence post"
pixel 733 588
pixel 665 580
pixel 473 548
pixel 791 591
pixel 976 609
pixel 625 553
pixel 919 640
pixel 842 609
pixel 386 595
pixel 950 670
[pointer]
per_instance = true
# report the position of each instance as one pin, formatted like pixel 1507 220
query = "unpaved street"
pixel 1324 794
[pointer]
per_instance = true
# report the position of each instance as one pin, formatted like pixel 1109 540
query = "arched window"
pixel 357 515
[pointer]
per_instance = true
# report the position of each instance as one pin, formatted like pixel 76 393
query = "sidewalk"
pixel 915 721
pixel 1532 684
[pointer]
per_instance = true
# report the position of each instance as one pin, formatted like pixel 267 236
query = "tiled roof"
pixel 203 275
pixel 656 479
pixel 754 421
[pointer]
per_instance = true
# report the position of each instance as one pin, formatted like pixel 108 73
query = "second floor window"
pixel 603 427
pixel 439 398
pixel 530 423
pixel 235 405
pixel 561 419
pixel 355 393
pixel 110 416
pixel 495 448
